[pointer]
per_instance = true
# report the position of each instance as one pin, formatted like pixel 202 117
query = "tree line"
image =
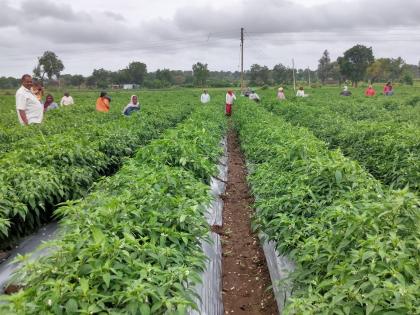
pixel 357 64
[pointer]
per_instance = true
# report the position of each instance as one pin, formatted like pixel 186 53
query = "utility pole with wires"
pixel 294 78
pixel 242 59
pixel 309 76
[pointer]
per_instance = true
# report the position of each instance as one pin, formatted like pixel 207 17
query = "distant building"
pixel 130 86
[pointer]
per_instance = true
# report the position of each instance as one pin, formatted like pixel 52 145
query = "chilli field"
pixel 334 181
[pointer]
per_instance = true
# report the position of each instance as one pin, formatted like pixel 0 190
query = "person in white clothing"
pixel 205 97
pixel 230 98
pixel 254 96
pixel 66 100
pixel 301 92
pixel 29 109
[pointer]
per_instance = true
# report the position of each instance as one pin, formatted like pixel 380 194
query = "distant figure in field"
pixel 254 96
pixel 205 97
pixel 370 91
pixel 345 91
pixel 301 92
pixel 66 100
pixel 29 109
pixel 132 107
pixel 388 90
pixel 38 90
pixel 49 103
pixel 280 94
pixel 230 98
pixel 102 103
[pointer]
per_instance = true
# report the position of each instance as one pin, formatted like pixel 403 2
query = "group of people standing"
pixel 29 105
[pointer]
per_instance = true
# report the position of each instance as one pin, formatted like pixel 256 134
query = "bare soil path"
pixel 245 274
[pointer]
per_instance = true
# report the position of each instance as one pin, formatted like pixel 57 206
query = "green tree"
pixel 100 77
pixel 325 67
pixel 77 80
pixel 281 74
pixel 164 76
pixel 200 73
pixel 49 65
pixel 136 72
pixel 354 63
pixel 259 75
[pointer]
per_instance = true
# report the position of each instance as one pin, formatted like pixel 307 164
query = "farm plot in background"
pixel 382 133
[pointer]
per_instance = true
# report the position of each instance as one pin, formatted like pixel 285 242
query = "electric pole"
pixel 294 78
pixel 242 59
pixel 309 76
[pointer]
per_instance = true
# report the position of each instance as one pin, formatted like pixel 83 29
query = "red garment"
pixel 370 92
pixel 387 88
pixel 228 109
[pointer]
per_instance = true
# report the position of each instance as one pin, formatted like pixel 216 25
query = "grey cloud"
pixel 8 15
pixel 271 16
pixel 115 16
pixel 42 9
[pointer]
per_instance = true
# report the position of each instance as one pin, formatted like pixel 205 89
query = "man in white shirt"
pixel 66 100
pixel 29 109
pixel 205 97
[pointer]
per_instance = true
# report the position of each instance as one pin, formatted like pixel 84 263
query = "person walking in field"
pixel 280 94
pixel 66 100
pixel 28 107
pixel 102 103
pixel 132 107
pixel 230 98
pixel 49 103
pixel 370 91
pixel 388 90
pixel 205 97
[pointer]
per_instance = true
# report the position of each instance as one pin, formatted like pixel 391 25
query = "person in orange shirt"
pixel 102 103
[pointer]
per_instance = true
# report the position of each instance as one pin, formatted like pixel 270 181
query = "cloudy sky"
pixel 88 34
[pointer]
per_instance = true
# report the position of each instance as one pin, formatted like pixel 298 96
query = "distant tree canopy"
pixel 259 75
pixel 200 73
pixel 136 72
pixel 325 67
pixel 354 63
pixel 386 69
pixel 48 65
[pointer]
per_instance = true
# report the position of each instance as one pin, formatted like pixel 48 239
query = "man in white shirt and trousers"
pixel 29 109
pixel 205 97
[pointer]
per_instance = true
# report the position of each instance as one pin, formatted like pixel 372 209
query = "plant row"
pixel 80 118
pixel 132 246
pixel 63 166
pixel 354 243
pixel 389 150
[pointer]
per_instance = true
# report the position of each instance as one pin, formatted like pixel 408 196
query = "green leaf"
pixel 107 279
pixel 71 306
pixel 145 309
